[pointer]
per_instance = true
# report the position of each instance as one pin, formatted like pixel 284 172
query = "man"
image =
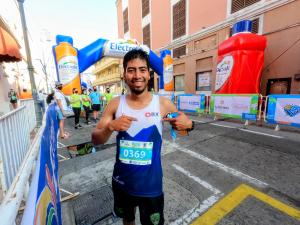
pixel 61 107
pixel 95 98
pixel 13 98
pixel 108 96
pixel 137 176
pixel 75 100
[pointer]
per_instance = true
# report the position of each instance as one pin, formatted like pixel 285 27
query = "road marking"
pixel 197 179
pixel 199 121
pixel 193 213
pixel 61 145
pixel 233 199
pixel 221 166
pixel 220 125
pixel 261 133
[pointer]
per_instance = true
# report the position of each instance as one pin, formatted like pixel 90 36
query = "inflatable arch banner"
pixel 70 62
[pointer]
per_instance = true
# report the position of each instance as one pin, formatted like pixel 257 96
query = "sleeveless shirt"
pixel 138 169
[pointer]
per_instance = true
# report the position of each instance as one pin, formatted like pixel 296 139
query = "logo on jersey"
pixel 151 114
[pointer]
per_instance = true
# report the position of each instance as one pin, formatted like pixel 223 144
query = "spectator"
pixel 86 102
pixel 75 100
pixel 13 98
pixel 95 98
pixel 60 109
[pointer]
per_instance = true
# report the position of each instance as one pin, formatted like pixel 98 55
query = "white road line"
pixel 220 125
pixel 257 132
pixel 221 166
pixel 61 145
pixel 197 179
pixel 192 214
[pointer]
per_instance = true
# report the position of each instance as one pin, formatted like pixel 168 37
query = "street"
pixel 220 174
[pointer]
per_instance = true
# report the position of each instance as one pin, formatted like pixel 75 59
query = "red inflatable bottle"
pixel 240 61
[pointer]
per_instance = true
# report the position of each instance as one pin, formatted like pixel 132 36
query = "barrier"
pixel 234 106
pixel 43 203
pixel 15 128
pixel 283 109
pixel 30 113
pixel 191 103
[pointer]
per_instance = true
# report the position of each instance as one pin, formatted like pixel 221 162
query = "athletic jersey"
pixel 138 169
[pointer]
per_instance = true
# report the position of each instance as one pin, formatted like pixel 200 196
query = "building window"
pixel 146 35
pixel 145 8
pixel 237 5
pixel 177 52
pixel 179 82
pixel 203 81
pixel 125 20
pixel 179 19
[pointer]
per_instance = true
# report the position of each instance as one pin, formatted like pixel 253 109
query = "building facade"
pixel 194 29
pixel 108 72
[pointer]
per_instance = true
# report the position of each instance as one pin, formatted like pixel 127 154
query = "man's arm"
pixel 108 124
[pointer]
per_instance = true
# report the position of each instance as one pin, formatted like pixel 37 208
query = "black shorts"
pixel 13 101
pixel 151 208
pixel 96 107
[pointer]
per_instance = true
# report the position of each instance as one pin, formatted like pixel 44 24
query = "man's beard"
pixel 137 91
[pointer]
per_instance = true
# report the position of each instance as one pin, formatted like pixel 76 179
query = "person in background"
pixel 86 102
pixel 108 96
pixel 40 96
pixel 13 98
pixel 60 108
pixel 75 100
pixel 95 98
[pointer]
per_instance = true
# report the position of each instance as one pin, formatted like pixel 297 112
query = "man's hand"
pixel 121 124
pixel 182 122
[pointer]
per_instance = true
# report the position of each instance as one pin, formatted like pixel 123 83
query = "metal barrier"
pixel 15 128
pixel 30 113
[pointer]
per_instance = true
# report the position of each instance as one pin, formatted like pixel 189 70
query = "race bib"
pixel 136 152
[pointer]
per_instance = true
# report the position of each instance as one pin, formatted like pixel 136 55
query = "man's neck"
pixel 139 98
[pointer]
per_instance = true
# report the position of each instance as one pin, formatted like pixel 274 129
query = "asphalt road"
pixel 220 174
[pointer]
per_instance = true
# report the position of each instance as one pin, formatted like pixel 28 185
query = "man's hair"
pixel 135 53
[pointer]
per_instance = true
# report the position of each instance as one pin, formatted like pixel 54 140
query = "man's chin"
pixel 138 91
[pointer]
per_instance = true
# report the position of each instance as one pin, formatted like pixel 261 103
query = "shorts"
pixel 13 101
pixel 96 107
pixel 151 208
pixel 60 115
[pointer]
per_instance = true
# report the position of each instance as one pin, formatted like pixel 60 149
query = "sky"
pixel 84 20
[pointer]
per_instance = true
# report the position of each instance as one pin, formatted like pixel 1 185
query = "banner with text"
pixel 191 103
pixel 234 106
pixel 43 203
pixel 284 109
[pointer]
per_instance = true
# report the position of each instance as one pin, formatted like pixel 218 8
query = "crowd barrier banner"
pixel 43 203
pixel 284 109
pixel 191 103
pixel 234 106
pixel 171 97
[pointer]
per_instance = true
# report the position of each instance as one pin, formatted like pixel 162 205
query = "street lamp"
pixel 44 68
pixel 38 111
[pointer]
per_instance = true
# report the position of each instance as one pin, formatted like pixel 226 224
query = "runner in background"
pixel 95 98
pixel 13 98
pixel 86 103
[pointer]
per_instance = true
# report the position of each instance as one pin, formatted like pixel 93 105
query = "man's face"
pixel 137 75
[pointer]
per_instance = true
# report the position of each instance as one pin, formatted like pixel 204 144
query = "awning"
pixel 9 48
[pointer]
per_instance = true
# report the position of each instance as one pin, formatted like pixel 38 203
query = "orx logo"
pixel 151 114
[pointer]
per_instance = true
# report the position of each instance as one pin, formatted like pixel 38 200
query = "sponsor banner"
pixel 191 103
pixel 169 96
pixel 120 48
pixel 234 106
pixel 43 204
pixel 284 109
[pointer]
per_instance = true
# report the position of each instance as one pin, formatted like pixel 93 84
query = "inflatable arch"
pixel 70 62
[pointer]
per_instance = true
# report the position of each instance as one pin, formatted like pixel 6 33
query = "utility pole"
pixel 37 108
